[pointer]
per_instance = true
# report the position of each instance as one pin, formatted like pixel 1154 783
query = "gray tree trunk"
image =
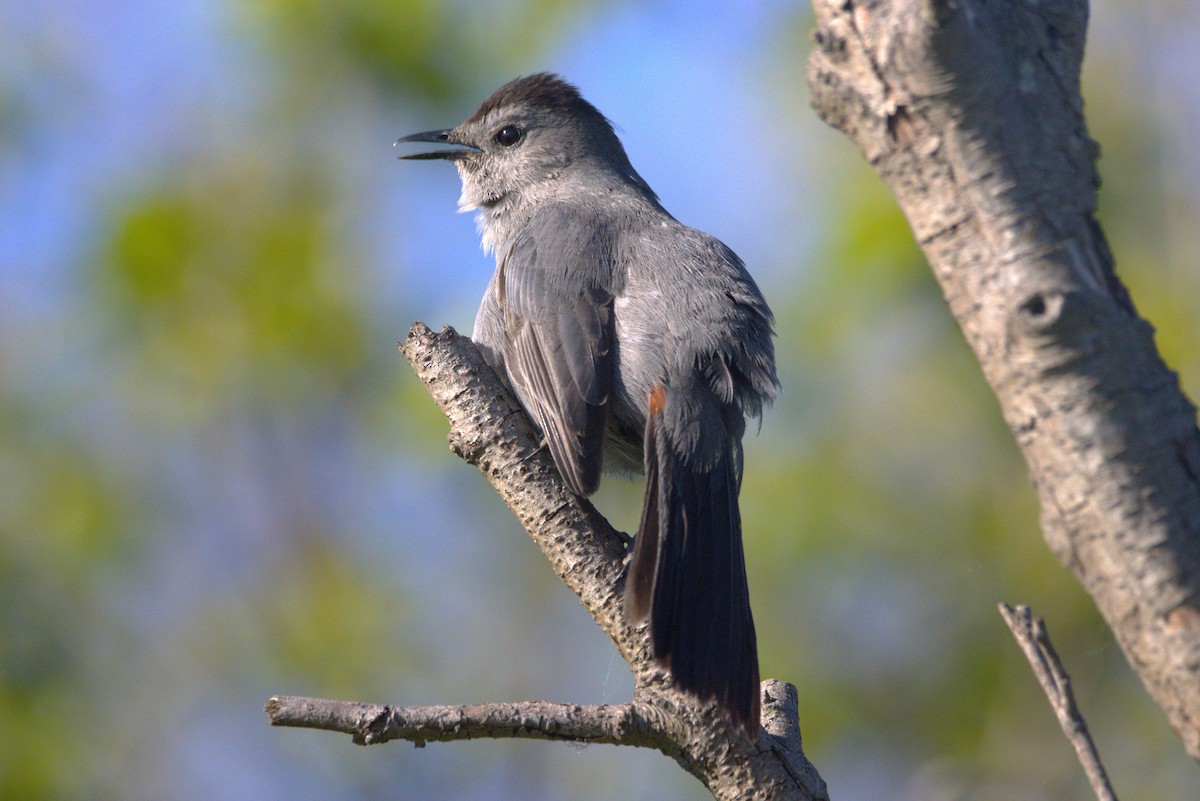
pixel 971 113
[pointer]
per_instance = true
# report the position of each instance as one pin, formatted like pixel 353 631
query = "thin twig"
pixel 1035 642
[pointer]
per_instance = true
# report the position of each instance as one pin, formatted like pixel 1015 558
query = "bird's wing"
pixel 554 288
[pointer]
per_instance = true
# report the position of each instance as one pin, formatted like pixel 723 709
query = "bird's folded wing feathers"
pixel 554 292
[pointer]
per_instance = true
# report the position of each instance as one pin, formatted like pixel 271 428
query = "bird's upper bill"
pixel 442 137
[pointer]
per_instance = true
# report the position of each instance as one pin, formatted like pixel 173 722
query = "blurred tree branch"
pixel 971 113
pixel 490 430
pixel 1031 635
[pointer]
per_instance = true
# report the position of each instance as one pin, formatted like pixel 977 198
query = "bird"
pixel 636 345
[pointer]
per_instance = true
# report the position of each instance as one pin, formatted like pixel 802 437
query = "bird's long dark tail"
pixel 688 575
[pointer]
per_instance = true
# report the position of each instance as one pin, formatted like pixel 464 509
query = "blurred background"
pixel 219 480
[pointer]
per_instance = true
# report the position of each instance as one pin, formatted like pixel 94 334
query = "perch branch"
pixel 490 430
pixel 370 724
pixel 1031 635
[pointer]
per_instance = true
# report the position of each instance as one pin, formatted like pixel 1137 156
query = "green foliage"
pixel 436 49
pixel 230 278
pixel 63 520
pixel 383 39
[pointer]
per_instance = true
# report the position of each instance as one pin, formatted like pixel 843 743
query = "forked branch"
pixel 491 431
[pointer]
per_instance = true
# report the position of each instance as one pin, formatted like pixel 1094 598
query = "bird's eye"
pixel 509 135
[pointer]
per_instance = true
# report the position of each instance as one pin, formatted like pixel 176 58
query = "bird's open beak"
pixel 437 136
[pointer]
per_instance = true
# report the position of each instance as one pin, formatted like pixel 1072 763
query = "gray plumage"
pixel 636 344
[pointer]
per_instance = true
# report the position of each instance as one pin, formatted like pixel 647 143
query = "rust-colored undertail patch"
pixel 658 399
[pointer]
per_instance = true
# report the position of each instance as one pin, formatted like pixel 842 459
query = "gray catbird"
pixel 636 344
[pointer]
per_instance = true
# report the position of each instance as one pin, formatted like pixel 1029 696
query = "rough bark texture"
pixel 728 773
pixel 971 113
pixel 371 724
pixel 490 430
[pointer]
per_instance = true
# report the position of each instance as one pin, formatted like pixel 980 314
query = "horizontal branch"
pixel 775 769
pixel 371 724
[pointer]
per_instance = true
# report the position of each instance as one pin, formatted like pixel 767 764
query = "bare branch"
pixel 1031 635
pixel 371 724
pixel 490 430
pixel 971 114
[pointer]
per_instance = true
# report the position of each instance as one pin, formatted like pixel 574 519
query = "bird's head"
pixel 523 140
